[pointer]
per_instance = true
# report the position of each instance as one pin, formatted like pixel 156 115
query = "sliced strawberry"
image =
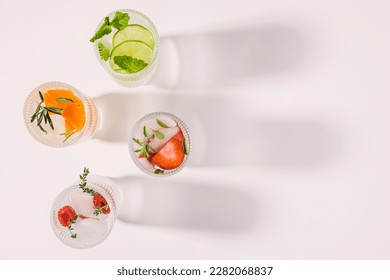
pixel 170 156
pixel 66 215
pixel 100 202
pixel 179 136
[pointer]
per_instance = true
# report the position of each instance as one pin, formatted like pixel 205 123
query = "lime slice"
pixel 135 49
pixel 134 32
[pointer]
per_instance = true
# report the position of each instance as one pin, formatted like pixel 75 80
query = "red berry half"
pixel 65 215
pixel 100 201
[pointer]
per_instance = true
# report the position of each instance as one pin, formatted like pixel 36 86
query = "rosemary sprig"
pixel 72 234
pixel 99 210
pixel 83 182
pixel 42 114
pixel 68 134
pixel 64 99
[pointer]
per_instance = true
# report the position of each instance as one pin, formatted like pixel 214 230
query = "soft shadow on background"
pixel 222 57
pixel 221 136
pixel 184 205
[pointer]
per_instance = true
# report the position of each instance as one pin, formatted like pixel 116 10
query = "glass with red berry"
pixel 83 215
pixel 160 144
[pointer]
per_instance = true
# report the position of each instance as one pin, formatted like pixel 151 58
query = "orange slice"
pixel 73 113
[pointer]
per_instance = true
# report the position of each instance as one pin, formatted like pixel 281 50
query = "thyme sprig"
pixel 70 228
pixel 42 114
pixel 83 182
pixel 99 210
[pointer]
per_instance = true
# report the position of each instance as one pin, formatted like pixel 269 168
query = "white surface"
pixel 291 153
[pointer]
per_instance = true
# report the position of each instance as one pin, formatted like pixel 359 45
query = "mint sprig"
pixel 105 29
pixel 103 51
pixel 130 64
pixel 120 21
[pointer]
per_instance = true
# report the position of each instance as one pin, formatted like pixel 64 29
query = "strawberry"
pixel 179 136
pixel 66 215
pixel 100 204
pixel 170 156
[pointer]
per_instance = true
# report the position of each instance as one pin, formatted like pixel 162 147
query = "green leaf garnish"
pixel 42 114
pixel 130 64
pixel 103 51
pixel 40 95
pixel 63 99
pixel 120 20
pixel 185 148
pixel 103 30
pixel 83 182
pixel 158 171
pixel 145 132
pixel 158 134
pixel 160 123
pixel 68 134
pixel 138 141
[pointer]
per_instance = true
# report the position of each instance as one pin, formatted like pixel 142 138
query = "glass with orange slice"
pixel 58 115
pixel 160 144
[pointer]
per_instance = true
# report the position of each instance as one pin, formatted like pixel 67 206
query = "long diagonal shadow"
pixel 177 204
pixel 222 57
pixel 221 137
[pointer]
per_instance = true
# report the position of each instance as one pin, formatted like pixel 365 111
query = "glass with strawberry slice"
pixel 58 115
pixel 160 144
pixel 83 215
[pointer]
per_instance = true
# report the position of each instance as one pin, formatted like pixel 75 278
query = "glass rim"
pixel 142 72
pixel 183 127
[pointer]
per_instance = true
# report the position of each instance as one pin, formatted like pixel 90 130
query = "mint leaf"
pixel 129 64
pixel 158 134
pixel 103 51
pixel 160 123
pixel 103 30
pixel 120 20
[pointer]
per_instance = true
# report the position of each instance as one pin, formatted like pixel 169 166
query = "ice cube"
pixel 157 144
pixel 81 202
pixel 92 227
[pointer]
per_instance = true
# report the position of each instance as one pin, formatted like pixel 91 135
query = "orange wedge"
pixel 72 112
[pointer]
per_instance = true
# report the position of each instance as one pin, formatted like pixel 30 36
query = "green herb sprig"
pixel 99 210
pixel 68 134
pixel 120 21
pixel 145 147
pixel 70 228
pixel 83 182
pixel 42 114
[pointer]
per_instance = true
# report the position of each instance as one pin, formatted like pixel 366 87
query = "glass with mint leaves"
pixel 83 215
pixel 126 43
